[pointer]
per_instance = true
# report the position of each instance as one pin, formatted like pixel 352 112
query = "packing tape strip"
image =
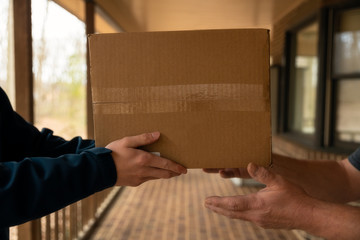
pixel 187 92
pixel 255 105
pixel 181 98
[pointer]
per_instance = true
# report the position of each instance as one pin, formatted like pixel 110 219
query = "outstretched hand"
pixel 135 166
pixel 280 205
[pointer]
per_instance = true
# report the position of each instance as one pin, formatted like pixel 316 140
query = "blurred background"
pixel 315 74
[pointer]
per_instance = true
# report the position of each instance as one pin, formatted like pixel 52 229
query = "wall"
pixel 304 11
pixel 294 18
pixel 301 13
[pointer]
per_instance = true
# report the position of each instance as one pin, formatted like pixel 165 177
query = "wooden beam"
pixel 90 28
pixel 24 85
pixel 23 59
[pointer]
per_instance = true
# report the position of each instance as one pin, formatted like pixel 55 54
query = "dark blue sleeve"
pixel 41 173
pixel 354 159
pixel 20 139
pixel 37 186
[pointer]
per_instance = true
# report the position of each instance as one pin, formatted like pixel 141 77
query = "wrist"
pixel 307 215
pixel 332 220
pixel 106 165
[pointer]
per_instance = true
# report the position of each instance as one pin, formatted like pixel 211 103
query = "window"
pixel 322 81
pixel 303 80
pixel 59 65
pixel 7 78
pixel 347 43
pixel 346 77
pixel 348 110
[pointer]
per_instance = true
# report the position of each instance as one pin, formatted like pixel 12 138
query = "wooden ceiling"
pixel 162 15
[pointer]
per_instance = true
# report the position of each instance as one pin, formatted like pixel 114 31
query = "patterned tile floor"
pixel 173 210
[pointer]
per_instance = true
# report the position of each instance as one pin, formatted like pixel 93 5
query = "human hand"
pixel 280 205
pixel 235 172
pixel 135 166
pixel 229 172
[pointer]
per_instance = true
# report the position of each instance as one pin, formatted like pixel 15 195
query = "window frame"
pixel 308 140
pixel 335 142
pixel 324 138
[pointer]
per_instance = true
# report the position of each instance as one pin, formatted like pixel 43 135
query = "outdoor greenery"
pixel 59 60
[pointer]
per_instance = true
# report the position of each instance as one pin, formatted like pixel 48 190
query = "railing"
pixel 75 221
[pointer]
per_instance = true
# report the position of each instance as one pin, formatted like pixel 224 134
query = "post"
pixel 90 202
pixel 23 59
pixel 90 28
pixel 24 85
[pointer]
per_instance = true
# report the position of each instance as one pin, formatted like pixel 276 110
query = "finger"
pixel 261 174
pixel 234 172
pixel 227 173
pixel 235 203
pixel 163 163
pixel 142 180
pixel 243 215
pixel 230 173
pixel 145 179
pixel 212 170
pixel 156 173
pixel 141 140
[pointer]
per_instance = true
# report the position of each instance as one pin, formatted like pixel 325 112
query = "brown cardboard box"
pixel 206 91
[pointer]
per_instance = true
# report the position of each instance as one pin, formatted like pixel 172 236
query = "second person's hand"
pixel 280 205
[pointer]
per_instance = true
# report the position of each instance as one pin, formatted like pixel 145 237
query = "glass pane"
pixel 7 77
pixel 304 83
pixel 348 111
pixel 59 57
pixel 347 43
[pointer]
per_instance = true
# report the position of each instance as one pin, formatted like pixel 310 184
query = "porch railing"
pixel 75 221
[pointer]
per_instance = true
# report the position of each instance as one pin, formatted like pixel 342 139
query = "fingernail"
pixel 155 135
pixel 183 170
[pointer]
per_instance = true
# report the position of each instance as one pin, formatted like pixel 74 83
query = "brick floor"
pixel 173 210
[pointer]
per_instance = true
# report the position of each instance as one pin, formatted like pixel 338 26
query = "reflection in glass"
pixel 348 114
pixel 304 85
pixel 347 43
pixel 59 65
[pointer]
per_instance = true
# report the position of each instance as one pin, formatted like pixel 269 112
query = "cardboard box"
pixel 206 91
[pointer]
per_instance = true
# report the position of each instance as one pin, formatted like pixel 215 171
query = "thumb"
pixel 261 174
pixel 142 139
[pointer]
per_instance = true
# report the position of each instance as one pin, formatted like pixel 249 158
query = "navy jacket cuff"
pixel 107 168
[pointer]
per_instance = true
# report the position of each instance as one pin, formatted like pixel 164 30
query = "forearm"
pixel 325 180
pixel 331 221
pixel 35 187
pixel 28 141
pixel 50 145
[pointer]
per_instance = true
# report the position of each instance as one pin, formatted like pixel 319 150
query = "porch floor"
pixel 174 210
